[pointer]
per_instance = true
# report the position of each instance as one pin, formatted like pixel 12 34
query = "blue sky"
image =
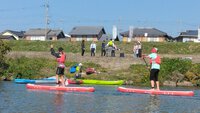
pixel 170 16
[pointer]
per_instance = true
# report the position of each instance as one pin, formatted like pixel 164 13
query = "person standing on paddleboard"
pixel 155 67
pixel 60 57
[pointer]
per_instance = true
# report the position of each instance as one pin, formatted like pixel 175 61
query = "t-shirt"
pixel 103 45
pixel 154 64
pixel 93 45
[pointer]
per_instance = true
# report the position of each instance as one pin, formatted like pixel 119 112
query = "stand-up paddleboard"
pixel 41 81
pixel 60 88
pixel 103 82
pixel 156 92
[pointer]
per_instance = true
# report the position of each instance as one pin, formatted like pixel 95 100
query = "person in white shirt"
pixel 93 48
pixel 135 50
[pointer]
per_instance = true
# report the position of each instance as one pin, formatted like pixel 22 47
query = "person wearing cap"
pixel 78 71
pixel 155 68
pixel 60 57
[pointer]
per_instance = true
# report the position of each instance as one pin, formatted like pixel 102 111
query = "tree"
pixel 4 49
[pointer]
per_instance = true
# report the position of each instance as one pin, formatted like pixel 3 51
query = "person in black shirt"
pixel 83 47
pixel 103 49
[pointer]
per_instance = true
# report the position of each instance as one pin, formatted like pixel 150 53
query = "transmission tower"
pixel 46 19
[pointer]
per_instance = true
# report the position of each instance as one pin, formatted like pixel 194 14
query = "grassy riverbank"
pixel 74 47
pixel 133 71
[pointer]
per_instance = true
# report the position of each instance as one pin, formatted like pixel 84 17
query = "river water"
pixel 15 98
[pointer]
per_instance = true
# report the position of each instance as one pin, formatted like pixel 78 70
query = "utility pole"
pixel 46 19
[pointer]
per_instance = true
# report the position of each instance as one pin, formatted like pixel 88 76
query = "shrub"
pixel 4 49
pixel 174 66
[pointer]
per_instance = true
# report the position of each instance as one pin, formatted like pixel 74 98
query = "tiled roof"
pixel 190 33
pixel 18 33
pixel 151 32
pixel 42 32
pixel 86 30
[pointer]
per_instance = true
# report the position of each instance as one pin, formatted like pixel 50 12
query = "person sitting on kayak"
pixel 155 67
pixel 60 57
pixel 78 71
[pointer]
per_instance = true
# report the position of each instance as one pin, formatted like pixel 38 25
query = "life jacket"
pixel 61 60
pixel 77 68
pixel 110 43
pixel 157 60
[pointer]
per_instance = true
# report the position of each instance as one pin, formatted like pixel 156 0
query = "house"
pixel 44 34
pixel 87 33
pixel 8 37
pixel 145 35
pixel 14 35
pixel 189 36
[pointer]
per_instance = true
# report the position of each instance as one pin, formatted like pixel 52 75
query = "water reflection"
pixel 153 104
pixel 59 101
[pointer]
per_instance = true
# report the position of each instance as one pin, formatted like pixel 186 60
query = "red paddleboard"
pixel 60 88
pixel 156 92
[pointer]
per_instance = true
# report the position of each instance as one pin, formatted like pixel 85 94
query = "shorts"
pixel 60 71
pixel 154 74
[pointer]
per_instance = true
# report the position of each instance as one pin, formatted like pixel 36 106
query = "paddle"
pixel 145 62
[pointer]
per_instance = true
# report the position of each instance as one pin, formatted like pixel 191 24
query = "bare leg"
pixel 62 80
pixel 157 85
pixel 152 84
pixel 57 79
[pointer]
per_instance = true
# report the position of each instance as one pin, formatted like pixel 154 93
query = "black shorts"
pixel 154 74
pixel 60 71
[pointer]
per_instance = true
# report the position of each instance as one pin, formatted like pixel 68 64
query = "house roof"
pixel 87 30
pixel 7 37
pixel 17 33
pixel 189 33
pixel 42 32
pixel 151 32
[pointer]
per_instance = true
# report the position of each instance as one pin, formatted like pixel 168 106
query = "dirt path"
pixel 114 63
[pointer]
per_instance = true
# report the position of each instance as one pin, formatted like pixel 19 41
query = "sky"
pixel 170 16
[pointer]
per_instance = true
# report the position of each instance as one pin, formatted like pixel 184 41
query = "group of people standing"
pixel 93 48
pixel 137 49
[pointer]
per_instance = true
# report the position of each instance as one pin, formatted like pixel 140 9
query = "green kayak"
pixel 103 82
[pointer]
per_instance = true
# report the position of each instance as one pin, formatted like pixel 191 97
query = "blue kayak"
pixel 40 81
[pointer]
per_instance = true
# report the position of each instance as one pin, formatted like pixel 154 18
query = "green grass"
pixel 74 47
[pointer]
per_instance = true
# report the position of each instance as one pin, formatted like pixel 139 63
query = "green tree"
pixel 4 49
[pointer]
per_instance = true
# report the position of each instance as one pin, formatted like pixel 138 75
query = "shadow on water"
pixel 153 104
pixel 59 102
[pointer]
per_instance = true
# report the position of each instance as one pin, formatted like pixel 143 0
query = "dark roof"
pixel 42 32
pixel 87 30
pixel 18 33
pixel 189 33
pixel 152 32
pixel 6 37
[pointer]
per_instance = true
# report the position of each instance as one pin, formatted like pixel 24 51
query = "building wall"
pixel 41 38
pixel 86 38
pixel 189 39
pixel 145 39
